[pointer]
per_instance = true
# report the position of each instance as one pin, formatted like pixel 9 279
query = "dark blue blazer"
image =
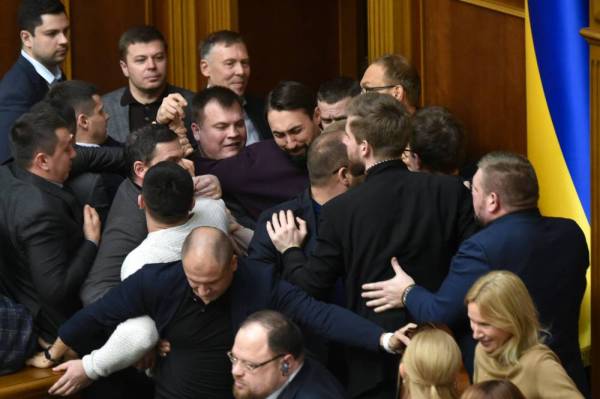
pixel 20 88
pixel 157 290
pixel 313 381
pixel 261 248
pixel 549 254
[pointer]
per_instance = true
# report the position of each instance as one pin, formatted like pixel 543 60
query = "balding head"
pixel 208 262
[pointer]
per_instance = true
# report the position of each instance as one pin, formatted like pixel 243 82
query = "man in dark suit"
pixel 224 62
pixel 95 189
pixel 48 240
pixel 44 44
pixel 419 218
pixel 143 54
pixel 267 361
pixel 549 254
pixel 198 305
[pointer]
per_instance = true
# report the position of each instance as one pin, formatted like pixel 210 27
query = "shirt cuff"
pixel 88 367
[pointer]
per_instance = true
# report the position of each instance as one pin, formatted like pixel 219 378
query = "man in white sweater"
pixel 171 213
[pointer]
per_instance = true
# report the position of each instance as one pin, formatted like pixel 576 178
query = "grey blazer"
pixel 118 124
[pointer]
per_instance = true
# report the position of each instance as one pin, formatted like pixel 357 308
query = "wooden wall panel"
pixel 473 62
pixel 10 44
pixel 294 40
pixel 95 30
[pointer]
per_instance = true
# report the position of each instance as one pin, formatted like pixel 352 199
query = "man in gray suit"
pixel 143 53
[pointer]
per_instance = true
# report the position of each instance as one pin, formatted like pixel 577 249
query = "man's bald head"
pixel 208 262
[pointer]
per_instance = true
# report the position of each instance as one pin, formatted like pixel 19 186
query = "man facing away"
pixel 44 33
pixel 549 254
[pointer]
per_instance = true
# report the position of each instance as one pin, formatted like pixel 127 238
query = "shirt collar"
pixel 87 144
pixel 44 72
pixel 276 394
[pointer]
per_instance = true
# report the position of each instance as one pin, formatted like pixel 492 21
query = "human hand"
pixel 207 186
pixel 73 380
pixel 171 109
pixel 91 224
pixel 283 231
pixel 39 361
pixel 400 340
pixel 188 165
pixel 147 361
pixel 385 295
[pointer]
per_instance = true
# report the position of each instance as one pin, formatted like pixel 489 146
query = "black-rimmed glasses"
pixel 251 367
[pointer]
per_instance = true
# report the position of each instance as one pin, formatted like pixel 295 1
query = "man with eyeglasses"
pixel 199 303
pixel 267 361
pixel 392 74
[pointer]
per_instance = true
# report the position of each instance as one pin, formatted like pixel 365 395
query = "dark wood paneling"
pixel 474 64
pixel 10 44
pixel 95 30
pixel 294 39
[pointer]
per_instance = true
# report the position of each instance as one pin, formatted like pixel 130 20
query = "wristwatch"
pixel 48 356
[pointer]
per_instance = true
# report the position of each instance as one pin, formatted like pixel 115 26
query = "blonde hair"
pixel 431 363
pixel 505 303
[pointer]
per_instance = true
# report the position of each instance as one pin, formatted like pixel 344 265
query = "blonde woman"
pixel 430 366
pixel 505 324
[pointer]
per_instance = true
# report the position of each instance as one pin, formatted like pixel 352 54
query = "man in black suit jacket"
pixel 224 62
pixel 419 218
pixel 44 43
pixel 94 189
pixel 267 360
pixel 48 241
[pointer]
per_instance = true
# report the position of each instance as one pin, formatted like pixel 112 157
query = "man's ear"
pixel 196 131
pixel 204 68
pixel 493 202
pixel 124 68
pixel 83 121
pixel 317 116
pixel 25 36
pixel 364 148
pixel 398 93
pixel 40 161
pixel 139 169
pixel 343 175
pixel 234 263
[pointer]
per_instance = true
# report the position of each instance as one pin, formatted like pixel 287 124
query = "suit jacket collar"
pixel 40 84
pixel 392 164
pixel 521 214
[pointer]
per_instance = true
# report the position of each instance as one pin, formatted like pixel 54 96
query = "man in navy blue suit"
pixel 549 254
pixel 44 44
pixel 268 361
pixel 198 305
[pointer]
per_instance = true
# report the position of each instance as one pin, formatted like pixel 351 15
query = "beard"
pixel 356 168
pixel 239 394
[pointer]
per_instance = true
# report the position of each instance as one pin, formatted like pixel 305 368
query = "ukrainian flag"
pixel 558 115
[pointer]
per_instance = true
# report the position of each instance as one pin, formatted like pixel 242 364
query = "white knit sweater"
pixel 135 337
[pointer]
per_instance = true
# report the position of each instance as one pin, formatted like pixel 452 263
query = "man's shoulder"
pixel 113 97
pixel 313 381
pixel 295 204
pixel 19 80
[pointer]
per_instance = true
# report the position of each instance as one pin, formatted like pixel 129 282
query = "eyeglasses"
pixel 248 366
pixel 366 89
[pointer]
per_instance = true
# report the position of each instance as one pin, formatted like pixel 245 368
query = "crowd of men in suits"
pixel 268 249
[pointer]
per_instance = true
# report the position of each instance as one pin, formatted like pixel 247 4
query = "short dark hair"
pixel 289 95
pixel 30 12
pixel 76 93
pixel 168 192
pixel 337 89
pixel 439 140
pixel 225 37
pixel 326 155
pixel 139 34
pixel 397 70
pixel 511 177
pixel 65 111
pixel 380 120
pixel 142 142
pixel 283 336
pixel 225 97
pixel 35 131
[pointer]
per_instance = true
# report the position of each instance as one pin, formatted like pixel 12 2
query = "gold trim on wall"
pixel 67 65
pixel 498 7
pixel 183 60
pixel 389 28
pixel 222 14
pixel 148 6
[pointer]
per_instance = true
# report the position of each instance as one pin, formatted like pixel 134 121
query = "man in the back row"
pixel 143 61
pixel 224 61
pixel 419 218
pixel 44 33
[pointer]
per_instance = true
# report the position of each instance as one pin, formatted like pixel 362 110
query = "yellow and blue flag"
pixel 558 116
